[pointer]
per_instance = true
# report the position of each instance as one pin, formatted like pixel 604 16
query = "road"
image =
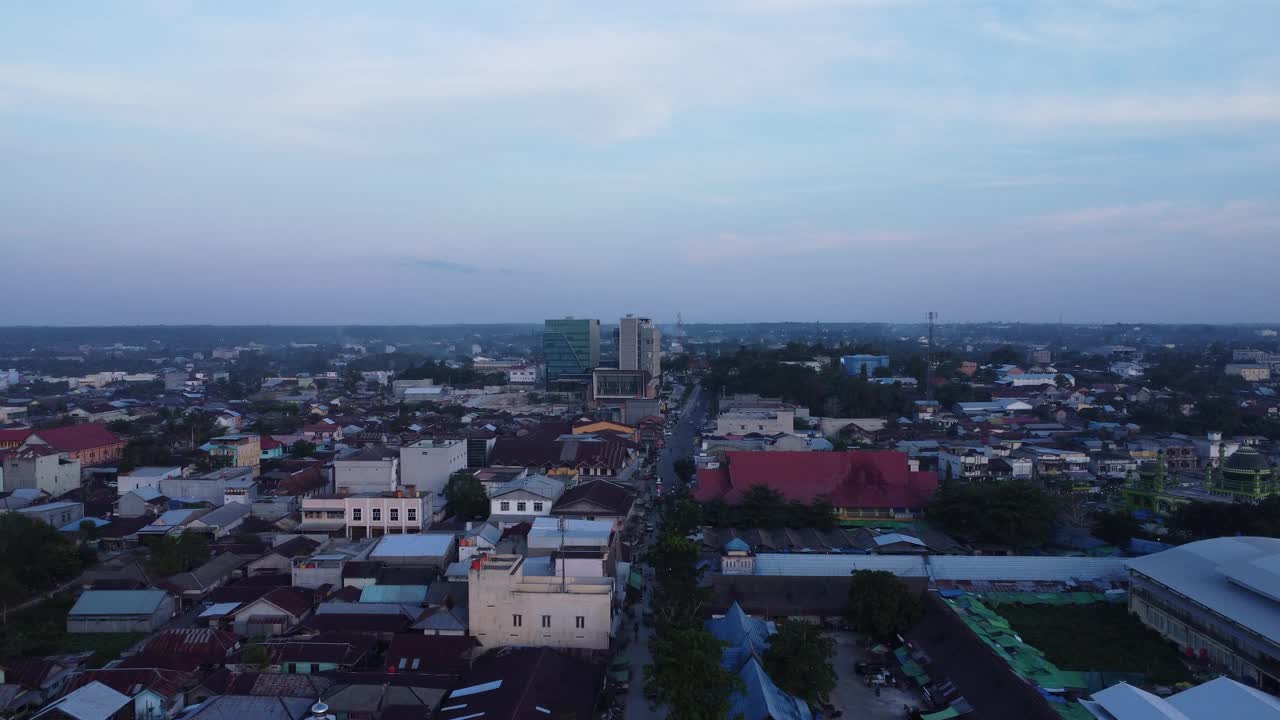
pixel 679 444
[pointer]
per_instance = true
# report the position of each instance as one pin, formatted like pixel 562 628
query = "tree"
pixel 684 469
pixel 303 449
pixel 35 556
pixel 880 605
pixel 686 674
pixel 466 496
pixel 1061 381
pixel 1005 355
pixel 1017 514
pixel 170 555
pixel 763 507
pixel 683 517
pixel 674 561
pixel 1116 528
pixel 799 661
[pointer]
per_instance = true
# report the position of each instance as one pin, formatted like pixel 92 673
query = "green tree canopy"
pixel 1017 514
pixel 880 605
pixel 36 556
pixel 684 469
pixel 1116 528
pixel 686 674
pixel 799 661
pixel 172 555
pixel 466 496
pixel 762 507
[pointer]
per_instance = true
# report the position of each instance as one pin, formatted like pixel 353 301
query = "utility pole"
pixel 928 374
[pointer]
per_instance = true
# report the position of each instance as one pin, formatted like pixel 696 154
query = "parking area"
pixel 854 698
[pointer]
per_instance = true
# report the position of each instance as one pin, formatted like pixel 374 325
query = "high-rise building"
pixel 570 349
pixel 639 345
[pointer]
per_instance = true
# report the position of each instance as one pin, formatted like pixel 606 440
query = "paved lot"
pixel 853 696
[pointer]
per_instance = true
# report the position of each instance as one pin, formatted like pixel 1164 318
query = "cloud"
pixel 331 82
pixel 447 266
pixel 734 246
pixel 1239 219
pixel 1145 111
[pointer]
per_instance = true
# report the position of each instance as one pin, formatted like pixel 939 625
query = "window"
pixel 395 514
pixel 537 507
pixel 517 620
pixel 504 506
pixel 546 621
pixel 356 513
pixel 521 506
pixel 377 514
pixel 412 514
pixel 580 622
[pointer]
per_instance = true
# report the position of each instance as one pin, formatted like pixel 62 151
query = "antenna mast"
pixel 929 359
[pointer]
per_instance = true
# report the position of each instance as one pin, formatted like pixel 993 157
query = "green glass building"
pixel 570 349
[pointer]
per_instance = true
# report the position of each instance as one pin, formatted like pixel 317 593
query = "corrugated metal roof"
pixel 118 602
pixel 424 544
pixel 393 594
pixel 946 567
pixel 1202 571
pixel 91 702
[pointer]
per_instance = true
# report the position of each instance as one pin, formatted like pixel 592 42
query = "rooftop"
pixel 421 545
pixel 1236 577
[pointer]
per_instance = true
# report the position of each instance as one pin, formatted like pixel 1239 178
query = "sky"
pixel 232 162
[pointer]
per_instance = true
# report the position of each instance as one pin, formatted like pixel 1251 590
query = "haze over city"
pixel 762 160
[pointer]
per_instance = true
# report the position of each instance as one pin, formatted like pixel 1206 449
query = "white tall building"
pixel 427 464
pixel 527 601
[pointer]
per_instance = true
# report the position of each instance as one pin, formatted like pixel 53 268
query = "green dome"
pixel 1247 460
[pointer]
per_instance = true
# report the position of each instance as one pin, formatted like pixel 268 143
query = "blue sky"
pixel 235 162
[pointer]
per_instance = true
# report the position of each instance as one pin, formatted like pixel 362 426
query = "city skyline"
pixel 765 160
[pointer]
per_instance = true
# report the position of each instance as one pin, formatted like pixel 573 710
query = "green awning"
pixel 941 714
pixel 636 580
pixel 620 675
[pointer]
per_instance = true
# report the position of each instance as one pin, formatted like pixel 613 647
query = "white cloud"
pixel 734 246
pixel 325 81
pixel 1239 218
pixel 1148 110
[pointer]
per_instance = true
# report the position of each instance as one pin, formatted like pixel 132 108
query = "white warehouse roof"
pixel 1236 577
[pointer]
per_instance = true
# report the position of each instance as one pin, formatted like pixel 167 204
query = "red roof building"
pixel 90 443
pixel 871 484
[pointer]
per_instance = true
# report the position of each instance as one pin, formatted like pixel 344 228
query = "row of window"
pixel 505 506
pixel 579 622
pixel 411 514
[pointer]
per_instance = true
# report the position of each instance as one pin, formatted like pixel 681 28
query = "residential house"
pixel 57 514
pixel 211 487
pixel 142 502
pixel 92 701
pixel 478 538
pixel 279 559
pixel 149 476
pixel 120 611
pixel 597 500
pixel 236 450
pixel 549 452
pixel 186 649
pixel 745 640
pixel 328 566
pixel 411 652
pixel 28 683
pixel 40 467
pixel 524 499
pixel 192 586
pixel 222 521
pixel 274 613
pixel 155 693
pixel 515 683
pixel 326 652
